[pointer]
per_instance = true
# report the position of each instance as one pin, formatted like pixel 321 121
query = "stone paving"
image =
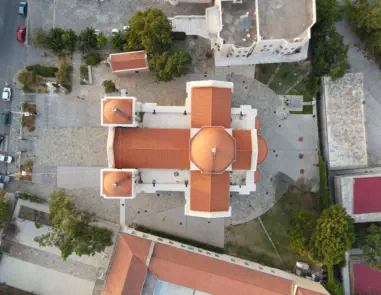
pixel 103 15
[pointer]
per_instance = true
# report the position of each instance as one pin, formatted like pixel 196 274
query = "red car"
pixel 21 32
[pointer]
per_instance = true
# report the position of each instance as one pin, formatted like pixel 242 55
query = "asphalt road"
pixel 13 55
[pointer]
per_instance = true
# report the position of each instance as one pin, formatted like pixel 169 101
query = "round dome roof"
pixel 117 184
pixel 263 149
pixel 212 149
pixel 117 111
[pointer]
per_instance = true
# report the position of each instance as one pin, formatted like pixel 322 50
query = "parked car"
pixel 4 158
pixel 7 93
pixel 23 7
pixel 5 117
pixel 1 185
pixel 1 138
pixel 4 178
pixel 20 34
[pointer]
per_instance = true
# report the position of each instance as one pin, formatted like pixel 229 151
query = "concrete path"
pixel 372 89
pixel 78 177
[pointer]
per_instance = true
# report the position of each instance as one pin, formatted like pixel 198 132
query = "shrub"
pixel 34 199
pixel 42 70
pixel 23 196
pixel 28 164
pixel 109 86
pixel 93 59
pixel 179 36
pixel 117 41
pixel 63 75
pixel 27 78
pixel 39 38
pixel 5 209
pixel 102 40
pixel 37 225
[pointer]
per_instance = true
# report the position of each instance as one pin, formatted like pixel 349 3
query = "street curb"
pixel 27 26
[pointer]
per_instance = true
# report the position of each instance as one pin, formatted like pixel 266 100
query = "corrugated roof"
pixel 243 149
pixel 117 111
pixel 209 192
pixel 128 61
pixel 211 275
pixel 211 106
pixel 212 149
pixel 128 270
pixel 117 183
pixel 151 148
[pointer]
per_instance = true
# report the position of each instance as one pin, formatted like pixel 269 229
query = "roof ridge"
pixel 221 276
pixel 133 253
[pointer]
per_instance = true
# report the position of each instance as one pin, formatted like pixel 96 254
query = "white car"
pixel 4 158
pixel 7 94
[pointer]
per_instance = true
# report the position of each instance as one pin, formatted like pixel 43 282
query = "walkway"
pixel 372 89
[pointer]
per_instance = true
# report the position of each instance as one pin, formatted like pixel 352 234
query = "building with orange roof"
pixel 205 149
pixel 146 264
pixel 127 62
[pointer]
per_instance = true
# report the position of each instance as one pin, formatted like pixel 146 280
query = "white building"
pixel 205 149
pixel 248 32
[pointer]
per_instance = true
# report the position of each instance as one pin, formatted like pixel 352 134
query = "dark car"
pixel 1 139
pixel 20 34
pixel 5 117
pixel 23 7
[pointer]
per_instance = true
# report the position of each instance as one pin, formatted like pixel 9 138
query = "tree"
pixel 5 209
pixel 40 38
pixel 371 247
pixel 117 41
pixel 101 40
pixel 109 86
pixel 334 235
pixel 63 75
pixel 87 40
pixel 170 64
pixel 72 230
pixel 61 42
pixel 300 229
pixel 150 30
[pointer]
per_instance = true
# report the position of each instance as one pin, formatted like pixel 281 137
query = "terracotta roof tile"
pixel 302 291
pixel 117 183
pixel 212 275
pixel 151 148
pixel 128 272
pixel 211 106
pixel 209 192
pixel 204 142
pixel 128 61
pixel 263 150
pixel 257 175
pixel 117 111
pixel 243 150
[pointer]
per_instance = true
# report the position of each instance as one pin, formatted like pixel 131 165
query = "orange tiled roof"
pixel 209 192
pixel 117 183
pixel 257 175
pixel 257 124
pixel 151 148
pixel 212 149
pixel 302 291
pixel 128 61
pixel 117 111
pixel 128 270
pixel 243 149
pixel 263 150
pixel 211 106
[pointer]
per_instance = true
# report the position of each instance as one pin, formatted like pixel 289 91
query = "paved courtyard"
pixel 102 15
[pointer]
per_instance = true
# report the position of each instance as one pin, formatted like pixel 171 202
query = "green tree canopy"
pixel 117 41
pixel 102 40
pixel 300 229
pixel 72 230
pixel 5 209
pixel 170 64
pixel 150 30
pixel 61 42
pixel 87 40
pixel 334 235
pixel 371 246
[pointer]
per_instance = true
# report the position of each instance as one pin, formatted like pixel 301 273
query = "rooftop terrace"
pixel 239 23
pixel 284 19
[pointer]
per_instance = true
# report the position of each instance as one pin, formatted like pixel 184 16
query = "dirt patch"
pixel 29 121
